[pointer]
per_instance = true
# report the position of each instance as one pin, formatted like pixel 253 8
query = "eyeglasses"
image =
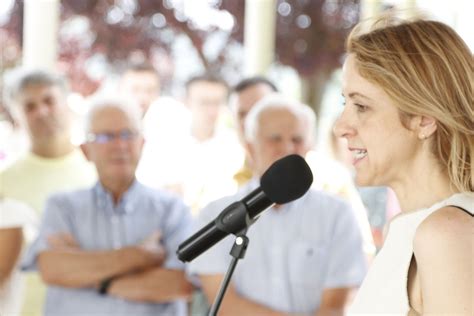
pixel 107 137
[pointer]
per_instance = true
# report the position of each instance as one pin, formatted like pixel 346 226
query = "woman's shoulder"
pixel 446 231
pixel 443 246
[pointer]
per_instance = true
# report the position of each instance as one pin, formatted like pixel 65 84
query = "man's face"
pixel 114 145
pixel 44 111
pixel 279 133
pixel 142 86
pixel 245 100
pixel 205 100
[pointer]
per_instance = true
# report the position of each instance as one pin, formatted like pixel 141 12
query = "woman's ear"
pixel 424 126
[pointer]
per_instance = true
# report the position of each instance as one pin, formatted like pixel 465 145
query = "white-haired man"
pixel 304 257
pixel 110 249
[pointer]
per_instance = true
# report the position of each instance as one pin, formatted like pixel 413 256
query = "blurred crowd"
pixel 91 224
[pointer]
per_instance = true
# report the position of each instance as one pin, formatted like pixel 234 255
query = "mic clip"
pixel 234 219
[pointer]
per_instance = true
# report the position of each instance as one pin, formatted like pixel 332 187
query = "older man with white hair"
pixel 304 257
pixel 109 249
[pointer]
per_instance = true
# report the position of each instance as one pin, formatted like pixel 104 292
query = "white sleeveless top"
pixel 384 290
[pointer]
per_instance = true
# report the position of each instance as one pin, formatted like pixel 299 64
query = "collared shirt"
pixel 97 224
pixel 295 252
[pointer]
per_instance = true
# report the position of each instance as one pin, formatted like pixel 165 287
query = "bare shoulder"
pixel 444 237
pixel 445 224
pixel 443 247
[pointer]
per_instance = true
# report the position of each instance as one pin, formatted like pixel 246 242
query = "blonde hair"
pixel 427 69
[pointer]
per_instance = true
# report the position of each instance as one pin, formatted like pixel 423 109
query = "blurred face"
pixel 245 100
pixel 114 146
pixel 382 148
pixel 205 100
pixel 44 111
pixel 280 133
pixel 143 86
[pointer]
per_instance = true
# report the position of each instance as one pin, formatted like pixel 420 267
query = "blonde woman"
pixel 409 122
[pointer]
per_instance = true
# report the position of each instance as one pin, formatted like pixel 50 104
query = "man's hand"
pixel 152 244
pixel 62 241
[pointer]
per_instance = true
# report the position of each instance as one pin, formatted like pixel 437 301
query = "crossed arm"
pixel 333 301
pixel 137 271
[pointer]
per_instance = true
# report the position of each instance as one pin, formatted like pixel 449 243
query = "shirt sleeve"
pixel 54 221
pixel 15 213
pixel 177 228
pixel 347 264
pixel 217 258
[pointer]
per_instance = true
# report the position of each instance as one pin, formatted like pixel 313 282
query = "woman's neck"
pixel 423 190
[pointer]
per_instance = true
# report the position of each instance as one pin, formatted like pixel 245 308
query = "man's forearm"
pixel 325 311
pixel 233 303
pixel 238 305
pixel 79 268
pixel 156 285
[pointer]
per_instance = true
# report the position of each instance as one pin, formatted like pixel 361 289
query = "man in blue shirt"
pixel 110 249
pixel 304 257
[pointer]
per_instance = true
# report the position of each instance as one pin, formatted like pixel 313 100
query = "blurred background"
pixel 298 44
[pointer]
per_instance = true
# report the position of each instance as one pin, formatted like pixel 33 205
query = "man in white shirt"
pixel 304 257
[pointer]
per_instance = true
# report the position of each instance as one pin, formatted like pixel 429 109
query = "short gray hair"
pixel 126 105
pixel 278 101
pixel 36 77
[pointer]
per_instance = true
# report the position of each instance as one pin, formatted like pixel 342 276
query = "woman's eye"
pixel 360 107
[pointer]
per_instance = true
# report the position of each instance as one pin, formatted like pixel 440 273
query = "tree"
pixel 309 36
pixel 121 31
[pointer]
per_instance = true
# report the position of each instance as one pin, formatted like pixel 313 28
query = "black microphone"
pixel 286 180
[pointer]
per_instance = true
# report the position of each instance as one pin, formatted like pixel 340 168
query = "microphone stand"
pixel 237 252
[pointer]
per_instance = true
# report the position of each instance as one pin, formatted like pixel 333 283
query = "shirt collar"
pixel 127 202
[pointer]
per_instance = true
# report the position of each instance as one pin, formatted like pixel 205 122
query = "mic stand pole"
pixel 237 252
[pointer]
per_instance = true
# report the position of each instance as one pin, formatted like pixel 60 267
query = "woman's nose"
pixel 342 126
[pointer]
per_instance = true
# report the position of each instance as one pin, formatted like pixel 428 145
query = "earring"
pixel 422 136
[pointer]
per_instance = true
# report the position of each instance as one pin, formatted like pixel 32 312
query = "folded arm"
pixel 65 264
pixel 156 285
pixel 334 301
pixel 233 303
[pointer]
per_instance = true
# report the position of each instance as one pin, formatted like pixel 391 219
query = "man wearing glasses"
pixel 110 249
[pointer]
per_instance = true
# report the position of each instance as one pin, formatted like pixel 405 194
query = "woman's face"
pixel 383 150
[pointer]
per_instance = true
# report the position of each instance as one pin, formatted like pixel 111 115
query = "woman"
pixel 409 122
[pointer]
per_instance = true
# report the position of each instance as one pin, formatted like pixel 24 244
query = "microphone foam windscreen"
pixel 287 179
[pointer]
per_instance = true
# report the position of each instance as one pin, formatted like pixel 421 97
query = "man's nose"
pixel 287 148
pixel 43 110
